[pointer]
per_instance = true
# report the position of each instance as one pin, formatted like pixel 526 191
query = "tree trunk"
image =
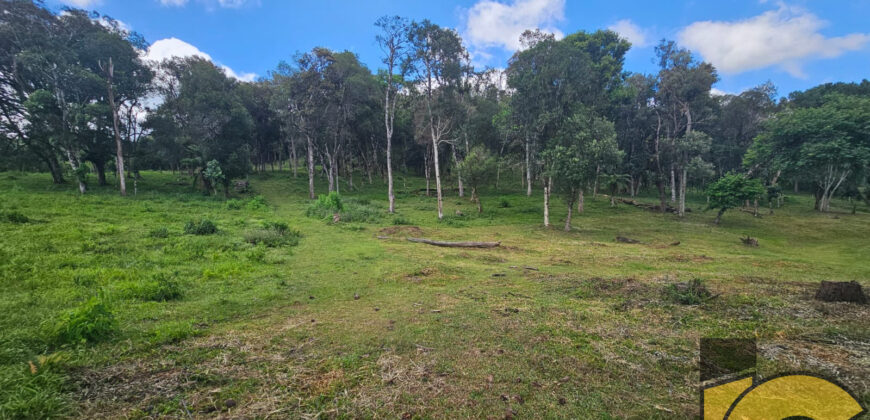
pixel 476 198
pixel 547 202
pixel 426 170
pixel 101 173
pixel 528 168
pixel 719 216
pixel 673 185
pixel 458 172
pixel 581 202
pixel 310 167
pixel 118 146
pixel 390 194
pixel 682 207
pixel 437 175
pixel 568 219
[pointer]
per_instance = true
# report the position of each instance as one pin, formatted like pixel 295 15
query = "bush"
pixel 94 320
pixel 272 235
pixel 350 210
pixel 15 217
pixel 503 202
pixel 689 293
pixel 200 227
pixel 160 232
pixel 256 203
pixel 160 288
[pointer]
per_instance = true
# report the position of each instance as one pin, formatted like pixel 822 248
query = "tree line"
pixel 564 117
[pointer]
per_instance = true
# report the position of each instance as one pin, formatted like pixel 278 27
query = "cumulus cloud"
pixel 173 2
pixel 173 47
pixel 493 24
pixel 630 31
pixel 81 4
pixel 786 37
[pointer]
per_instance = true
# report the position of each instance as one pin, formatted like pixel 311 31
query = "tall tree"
pixel 393 41
pixel 438 56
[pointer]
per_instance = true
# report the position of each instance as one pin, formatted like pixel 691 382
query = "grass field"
pixel 347 324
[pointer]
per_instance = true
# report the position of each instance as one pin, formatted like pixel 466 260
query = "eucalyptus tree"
pixel 737 120
pixel 394 43
pixel 682 100
pixel 438 57
pixel 478 167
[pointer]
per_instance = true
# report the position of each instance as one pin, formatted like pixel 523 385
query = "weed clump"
pixel 200 227
pixel 399 221
pixel 160 288
pixel 234 204
pixel 92 321
pixel 351 210
pixel 688 293
pixel 256 203
pixel 273 235
pixel 503 202
pixel 159 232
pixel 15 217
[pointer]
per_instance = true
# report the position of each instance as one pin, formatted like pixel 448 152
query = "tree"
pixel 393 42
pixel 584 146
pixel 828 144
pixel 438 55
pixel 731 191
pixel 478 167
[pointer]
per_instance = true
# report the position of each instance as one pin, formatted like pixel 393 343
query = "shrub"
pixel 689 293
pixel 256 203
pixel 160 232
pixel 92 321
pixel 15 217
pixel 272 235
pixel 503 202
pixel 200 227
pixel 233 204
pixel 160 288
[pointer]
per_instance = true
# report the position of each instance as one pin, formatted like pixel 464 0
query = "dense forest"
pixel 79 101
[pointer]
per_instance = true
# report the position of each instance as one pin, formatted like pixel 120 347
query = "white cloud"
pixel 718 92
pixel 630 31
pixel 173 47
pixel 81 4
pixel 493 24
pixel 230 4
pixel 785 37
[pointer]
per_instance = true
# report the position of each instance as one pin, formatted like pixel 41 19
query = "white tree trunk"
pixel 547 202
pixel 310 167
pixel 528 168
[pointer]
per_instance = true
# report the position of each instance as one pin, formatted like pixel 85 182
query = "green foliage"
pixel 731 191
pixel 200 227
pixel 273 234
pixel 15 217
pixel 172 332
pixel 256 203
pixel 690 293
pixel 92 321
pixel 234 204
pixel 503 202
pixel 213 173
pixel 350 211
pixel 399 220
pixel 33 391
pixel 160 288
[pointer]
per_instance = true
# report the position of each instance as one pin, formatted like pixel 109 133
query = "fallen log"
pixel 650 207
pixel 455 244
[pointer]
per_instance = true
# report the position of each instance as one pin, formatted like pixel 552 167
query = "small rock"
pixel 377 309
pixel 562 401
pixel 498 274
pixel 311 297
pixel 230 403
pixel 356 296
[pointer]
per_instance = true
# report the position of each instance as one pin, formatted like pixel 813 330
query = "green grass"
pixel 350 320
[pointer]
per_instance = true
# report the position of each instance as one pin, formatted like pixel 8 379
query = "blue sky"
pixel 795 44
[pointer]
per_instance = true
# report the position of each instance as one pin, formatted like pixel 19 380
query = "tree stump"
pixel 749 241
pixel 841 291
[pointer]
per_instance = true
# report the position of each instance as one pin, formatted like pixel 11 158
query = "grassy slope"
pixel 433 333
